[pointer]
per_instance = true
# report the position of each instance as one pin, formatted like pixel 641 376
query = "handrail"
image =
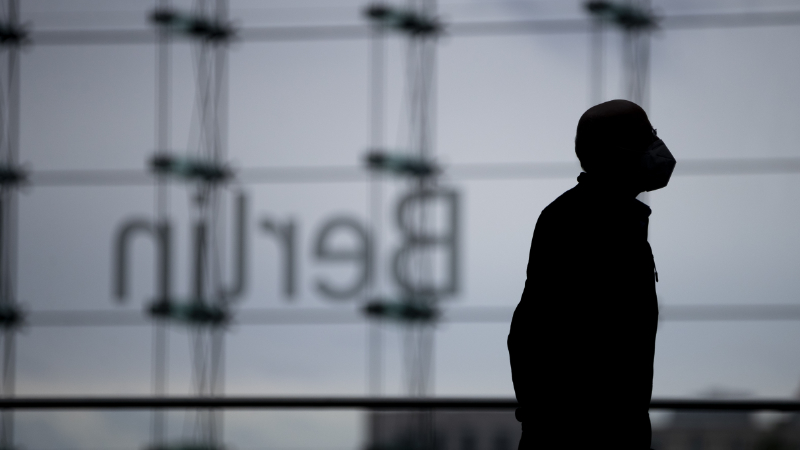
pixel 370 403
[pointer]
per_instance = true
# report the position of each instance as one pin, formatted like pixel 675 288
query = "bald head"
pixel 612 136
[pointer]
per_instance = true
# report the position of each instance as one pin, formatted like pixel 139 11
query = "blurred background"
pixel 327 198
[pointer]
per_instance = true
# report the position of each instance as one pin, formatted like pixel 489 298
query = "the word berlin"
pixel 443 242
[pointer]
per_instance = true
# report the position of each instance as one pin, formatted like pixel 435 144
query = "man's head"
pixel 612 136
pixel 616 143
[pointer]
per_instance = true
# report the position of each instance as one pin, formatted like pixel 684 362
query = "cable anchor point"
pixel 404 20
pixel 190 169
pixel 400 164
pixel 626 16
pixel 192 25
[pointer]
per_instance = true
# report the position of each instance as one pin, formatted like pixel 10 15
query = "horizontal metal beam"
pixel 457 29
pixel 258 316
pixel 369 403
pixel 729 20
pixel 737 166
pixel 729 313
pixel 452 172
pixel 91 177
pixel 457 315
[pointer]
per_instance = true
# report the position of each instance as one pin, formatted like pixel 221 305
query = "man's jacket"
pixel 583 335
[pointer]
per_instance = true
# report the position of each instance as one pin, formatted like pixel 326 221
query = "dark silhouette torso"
pixel 582 338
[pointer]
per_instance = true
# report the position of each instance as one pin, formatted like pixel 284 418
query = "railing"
pixel 369 403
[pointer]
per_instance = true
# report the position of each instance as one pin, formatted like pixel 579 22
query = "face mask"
pixel 657 165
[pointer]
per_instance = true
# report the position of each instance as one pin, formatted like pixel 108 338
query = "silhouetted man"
pixel 583 335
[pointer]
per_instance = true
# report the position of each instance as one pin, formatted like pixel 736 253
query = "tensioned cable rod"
pixel 462 315
pixel 370 403
pixel 453 172
pixel 465 29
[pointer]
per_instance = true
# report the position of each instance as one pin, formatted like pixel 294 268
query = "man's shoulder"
pixel 568 203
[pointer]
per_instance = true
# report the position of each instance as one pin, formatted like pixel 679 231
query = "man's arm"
pixel 525 325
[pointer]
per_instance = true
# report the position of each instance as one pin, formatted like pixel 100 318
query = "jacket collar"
pixel 612 193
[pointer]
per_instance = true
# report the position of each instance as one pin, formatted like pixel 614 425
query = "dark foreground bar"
pixel 385 403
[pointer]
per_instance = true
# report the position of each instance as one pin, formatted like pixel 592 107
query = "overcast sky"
pixel 715 93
